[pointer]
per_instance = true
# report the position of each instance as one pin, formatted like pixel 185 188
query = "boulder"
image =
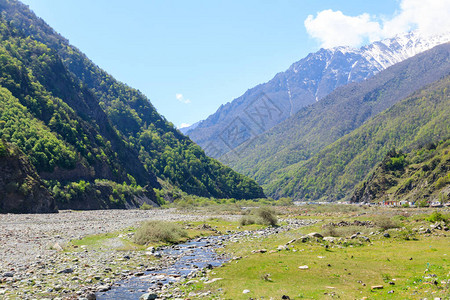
pixel 148 296
pixel 315 234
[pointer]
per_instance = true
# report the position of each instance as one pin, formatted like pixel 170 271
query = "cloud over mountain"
pixel 333 28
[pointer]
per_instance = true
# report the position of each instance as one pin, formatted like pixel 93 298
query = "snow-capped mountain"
pixel 305 82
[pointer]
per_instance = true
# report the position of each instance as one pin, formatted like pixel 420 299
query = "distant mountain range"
pixel 305 82
pixel 320 153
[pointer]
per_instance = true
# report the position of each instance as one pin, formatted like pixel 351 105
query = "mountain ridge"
pixel 343 110
pixel 333 172
pixel 83 130
pixel 303 83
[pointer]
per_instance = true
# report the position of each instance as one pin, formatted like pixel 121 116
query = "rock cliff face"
pixel 21 189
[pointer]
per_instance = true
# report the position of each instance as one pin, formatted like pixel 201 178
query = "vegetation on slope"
pixel 421 176
pixel 21 189
pixel 333 172
pixel 315 127
pixel 57 123
pixel 78 124
pixel 162 149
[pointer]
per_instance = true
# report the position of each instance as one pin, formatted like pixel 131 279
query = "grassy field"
pixel 410 264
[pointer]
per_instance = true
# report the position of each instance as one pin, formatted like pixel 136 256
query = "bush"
pixel 262 215
pixel 146 206
pixel 159 231
pixel 267 216
pixel 436 217
pixel 386 223
pixel 285 201
pixel 247 220
pixel 3 150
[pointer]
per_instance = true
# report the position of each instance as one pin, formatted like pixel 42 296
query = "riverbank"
pixel 39 260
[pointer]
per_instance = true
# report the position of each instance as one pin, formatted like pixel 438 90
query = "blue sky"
pixel 189 57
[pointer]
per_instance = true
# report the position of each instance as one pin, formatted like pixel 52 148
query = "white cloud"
pixel 428 17
pixel 184 125
pixel 181 98
pixel 333 28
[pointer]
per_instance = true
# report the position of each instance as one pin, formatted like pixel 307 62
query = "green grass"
pixel 352 271
pixel 369 264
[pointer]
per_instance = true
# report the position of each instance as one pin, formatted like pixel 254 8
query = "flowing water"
pixel 190 257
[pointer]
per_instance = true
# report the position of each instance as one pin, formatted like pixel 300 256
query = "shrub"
pixel 441 182
pixel 436 217
pixel 386 223
pixel 247 220
pixel 159 231
pixel 3 150
pixel 267 216
pixel 285 201
pixel 262 215
pixel 146 206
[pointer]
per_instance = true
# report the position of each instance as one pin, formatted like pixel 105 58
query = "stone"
pixel 365 238
pixel 148 296
pixel 8 274
pixel 213 280
pixel 282 247
pixel 376 287
pixel 245 291
pixel 387 235
pixel 315 234
pixel 91 296
pixel 285 297
pixel 354 236
pixel 329 239
pixel 103 288
pixel 57 247
pixel 66 271
pixel 305 267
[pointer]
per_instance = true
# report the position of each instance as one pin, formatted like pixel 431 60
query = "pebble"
pixel 305 267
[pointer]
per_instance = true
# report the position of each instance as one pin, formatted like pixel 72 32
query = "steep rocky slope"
pixel 421 176
pixel 21 189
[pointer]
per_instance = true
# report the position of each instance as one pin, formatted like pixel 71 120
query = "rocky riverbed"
pixel 33 262
pixel 37 262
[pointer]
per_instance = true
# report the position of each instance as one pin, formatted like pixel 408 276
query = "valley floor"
pixel 45 255
pixel 350 253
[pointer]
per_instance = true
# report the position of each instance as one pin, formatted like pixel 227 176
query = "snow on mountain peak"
pixel 388 52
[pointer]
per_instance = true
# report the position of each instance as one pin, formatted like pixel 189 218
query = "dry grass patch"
pixel 159 231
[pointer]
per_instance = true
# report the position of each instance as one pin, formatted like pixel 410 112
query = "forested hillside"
pixel 420 176
pixel 332 173
pixel 300 137
pixel 21 189
pixel 83 130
